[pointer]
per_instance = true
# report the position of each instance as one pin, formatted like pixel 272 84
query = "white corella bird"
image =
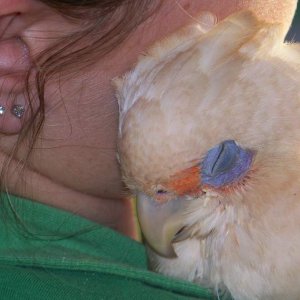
pixel 209 142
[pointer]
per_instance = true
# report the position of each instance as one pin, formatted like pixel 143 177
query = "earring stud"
pixel 2 110
pixel 18 110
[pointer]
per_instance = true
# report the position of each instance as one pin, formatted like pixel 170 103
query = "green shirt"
pixel 46 253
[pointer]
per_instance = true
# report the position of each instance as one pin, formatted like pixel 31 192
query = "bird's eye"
pixel 225 164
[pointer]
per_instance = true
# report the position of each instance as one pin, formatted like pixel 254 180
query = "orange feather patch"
pixel 186 182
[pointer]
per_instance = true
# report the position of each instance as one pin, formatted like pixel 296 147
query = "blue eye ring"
pixel 225 164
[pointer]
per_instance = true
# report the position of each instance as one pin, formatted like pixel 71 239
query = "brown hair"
pixel 104 25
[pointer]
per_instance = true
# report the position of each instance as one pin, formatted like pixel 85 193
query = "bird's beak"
pixel 160 222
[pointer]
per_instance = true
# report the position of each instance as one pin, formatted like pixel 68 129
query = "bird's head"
pixel 164 215
pixel 203 127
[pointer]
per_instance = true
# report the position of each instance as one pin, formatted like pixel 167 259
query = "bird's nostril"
pixel 161 192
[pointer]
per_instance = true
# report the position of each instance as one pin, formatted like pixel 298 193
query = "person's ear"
pixel 15 61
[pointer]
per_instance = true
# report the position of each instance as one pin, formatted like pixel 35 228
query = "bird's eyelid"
pixel 226 164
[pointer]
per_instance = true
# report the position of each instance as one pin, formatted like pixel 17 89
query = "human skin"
pixel 73 165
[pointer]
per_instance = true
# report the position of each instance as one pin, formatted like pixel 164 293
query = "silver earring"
pixel 2 110
pixel 18 110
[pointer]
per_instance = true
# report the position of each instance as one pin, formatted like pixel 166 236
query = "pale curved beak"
pixel 160 222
